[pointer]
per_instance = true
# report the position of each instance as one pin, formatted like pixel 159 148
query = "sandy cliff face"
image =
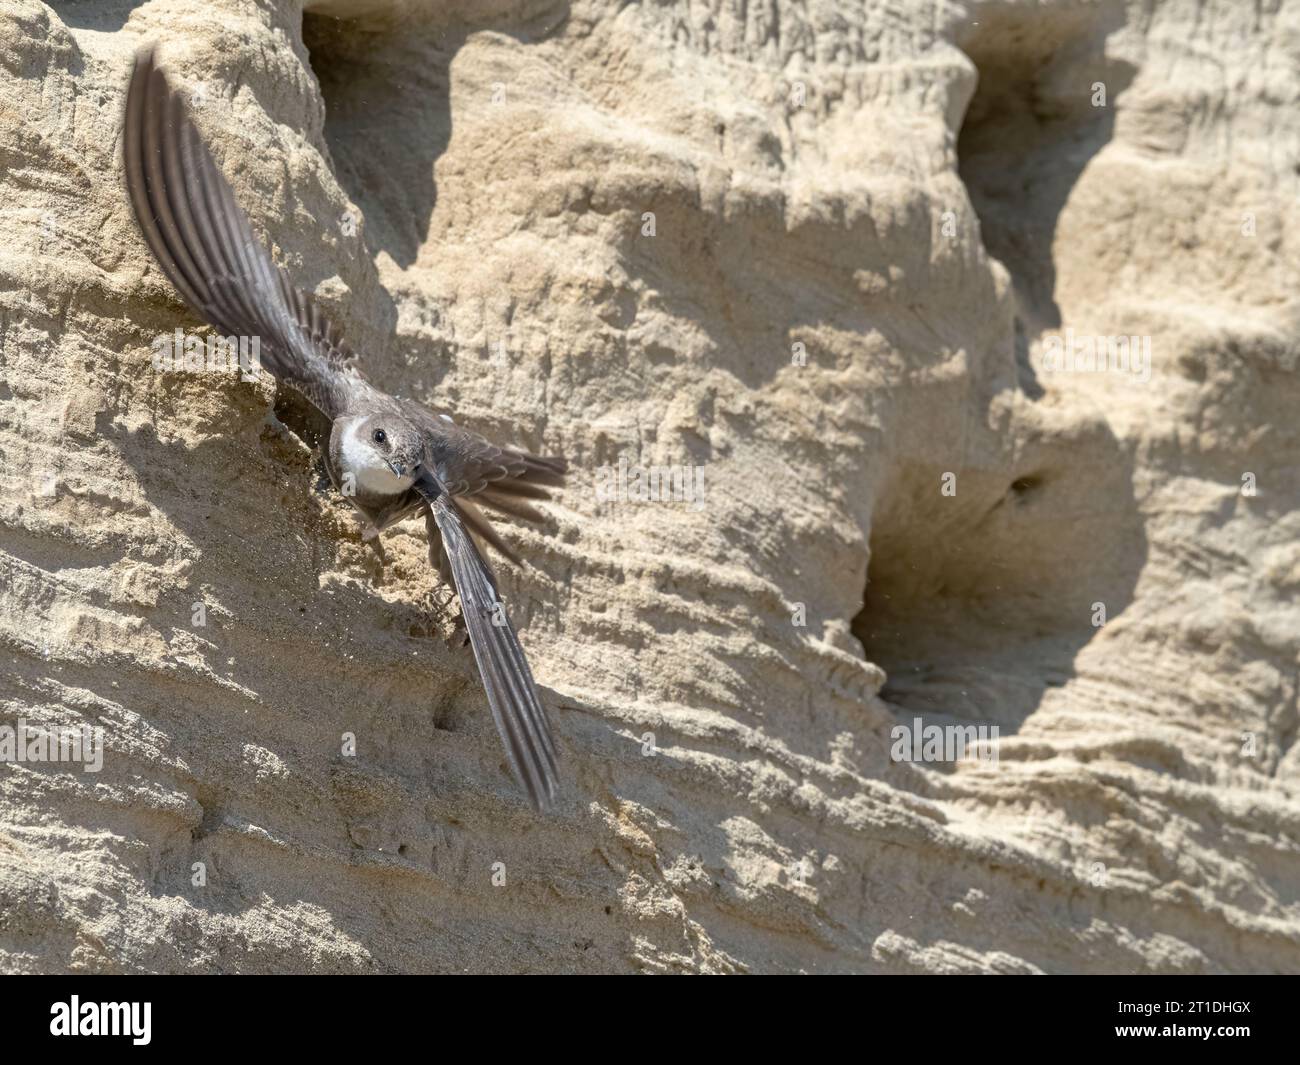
pixel 839 261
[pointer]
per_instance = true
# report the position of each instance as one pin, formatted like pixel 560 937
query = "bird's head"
pixel 385 451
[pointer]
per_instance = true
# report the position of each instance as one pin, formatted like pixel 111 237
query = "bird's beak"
pixel 397 468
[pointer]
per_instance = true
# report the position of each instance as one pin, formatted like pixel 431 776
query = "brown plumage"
pixel 391 457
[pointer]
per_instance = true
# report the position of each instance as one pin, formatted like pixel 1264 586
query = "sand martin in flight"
pixel 391 457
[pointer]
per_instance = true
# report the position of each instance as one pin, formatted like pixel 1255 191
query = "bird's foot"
pixel 459 630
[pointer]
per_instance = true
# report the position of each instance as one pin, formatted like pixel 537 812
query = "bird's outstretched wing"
pixel 204 244
pixel 516 709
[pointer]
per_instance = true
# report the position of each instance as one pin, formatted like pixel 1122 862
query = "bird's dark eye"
pixel 381 437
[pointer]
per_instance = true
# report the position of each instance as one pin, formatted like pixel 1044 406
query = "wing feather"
pixel 512 695
pixel 205 246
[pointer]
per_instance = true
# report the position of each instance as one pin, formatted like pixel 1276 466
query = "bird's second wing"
pixel 203 242
pixel 516 708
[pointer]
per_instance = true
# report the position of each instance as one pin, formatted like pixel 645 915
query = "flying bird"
pixel 391 457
